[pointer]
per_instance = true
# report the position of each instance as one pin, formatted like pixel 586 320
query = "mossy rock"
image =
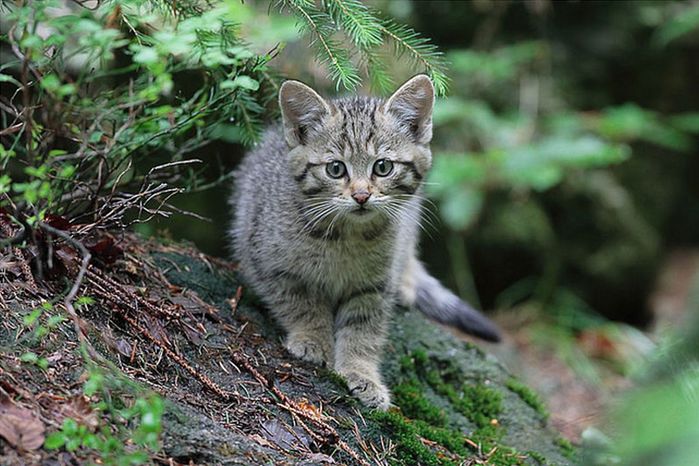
pixel 233 395
pixel 454 401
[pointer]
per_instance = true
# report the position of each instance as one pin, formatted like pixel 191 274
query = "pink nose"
pixel 361 196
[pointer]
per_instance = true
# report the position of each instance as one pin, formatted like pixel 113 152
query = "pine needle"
pixel 407 41
pixel 363 28
pixel 331 52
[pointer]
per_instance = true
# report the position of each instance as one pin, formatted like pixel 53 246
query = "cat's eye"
pixel 383 167
pixel 336 169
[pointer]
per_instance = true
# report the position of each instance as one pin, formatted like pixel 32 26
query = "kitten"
pixel 327 211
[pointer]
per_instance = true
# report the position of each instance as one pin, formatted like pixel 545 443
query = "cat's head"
pixel 358 158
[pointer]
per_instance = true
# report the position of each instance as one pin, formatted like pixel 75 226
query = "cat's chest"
pixel 339 264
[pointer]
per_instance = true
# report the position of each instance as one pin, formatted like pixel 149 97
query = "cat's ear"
pixel 302 109
pixel 412 106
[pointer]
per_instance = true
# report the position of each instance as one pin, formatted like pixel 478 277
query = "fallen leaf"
pixel 58 222
pixel 80 410
pixel 20 427
pixel 310 409
pixel 124 347
pixel 285 436
pixel 104 249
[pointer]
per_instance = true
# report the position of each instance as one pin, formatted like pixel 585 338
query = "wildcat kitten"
pixel 327 211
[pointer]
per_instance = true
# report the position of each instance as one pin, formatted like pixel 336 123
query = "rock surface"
pixel 234 396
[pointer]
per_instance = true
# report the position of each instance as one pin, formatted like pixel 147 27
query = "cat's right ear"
pixel 302 109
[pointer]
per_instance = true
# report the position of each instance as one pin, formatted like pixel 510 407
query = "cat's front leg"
pixel 360 333
pixel 308 323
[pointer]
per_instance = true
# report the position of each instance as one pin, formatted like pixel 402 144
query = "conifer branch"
pixel 321 26
pixel 421 51
pixel 355 18
pixel 378 72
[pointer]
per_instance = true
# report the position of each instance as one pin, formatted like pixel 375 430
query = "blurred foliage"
pixel 658 423
pixel 97 120
pixel 530 183
pixel 105 108
pixel 367 31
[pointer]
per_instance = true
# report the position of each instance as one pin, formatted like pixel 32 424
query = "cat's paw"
pixel 372 393
pixel 310 350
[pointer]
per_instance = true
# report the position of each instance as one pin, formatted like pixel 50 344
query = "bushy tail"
pixel 440 304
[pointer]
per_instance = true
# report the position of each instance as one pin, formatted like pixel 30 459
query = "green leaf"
pixel 93 384
pixel 29 357
pixel 84 301
pixel 54 440
pixel 55 320
pixel 67 171
pixel 688 122
pixel 91 441
pixel 419 49
pixel 6 78
pixel 30 318
pixel 73 443
pixel 450 170
pixel 683 23
pixel 70 426
pixel 145 55
pixel 461 208
pixel 95 137
pixel 244 82
pixel 50 82
pixel 5 182
pixel 5 153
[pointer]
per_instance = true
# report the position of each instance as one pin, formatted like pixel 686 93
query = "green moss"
pixel 478 403
pixel 414 405
pixel 566 447
pixel 538 457
pixel 528 396
pixel 450 439
pixel 421 419
pixel 410 450
pixel 335 378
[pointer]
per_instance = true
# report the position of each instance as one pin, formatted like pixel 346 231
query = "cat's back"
pixel 260 186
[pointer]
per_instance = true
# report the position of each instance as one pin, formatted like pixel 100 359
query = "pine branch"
pixel 357 21
pixel 378 73
pixel 421 50
pixel 321 26
pixel 248 114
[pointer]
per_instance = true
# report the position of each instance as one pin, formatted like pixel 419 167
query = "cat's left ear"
pixel 412 105
pixel 302 110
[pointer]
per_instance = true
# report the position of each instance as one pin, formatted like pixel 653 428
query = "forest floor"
pixel 166 359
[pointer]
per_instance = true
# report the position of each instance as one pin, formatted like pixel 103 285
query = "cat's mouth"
pixel 362 211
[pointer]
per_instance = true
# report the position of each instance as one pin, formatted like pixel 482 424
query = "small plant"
pixel 131 435
pixel 33 358
pixel 42 320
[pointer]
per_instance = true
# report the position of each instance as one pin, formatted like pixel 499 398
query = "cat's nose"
pixel 361 196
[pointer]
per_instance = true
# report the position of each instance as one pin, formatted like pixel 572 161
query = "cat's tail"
pixel 435 301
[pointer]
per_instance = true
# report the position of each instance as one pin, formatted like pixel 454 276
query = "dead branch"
pixel 68 300
pixel 328 433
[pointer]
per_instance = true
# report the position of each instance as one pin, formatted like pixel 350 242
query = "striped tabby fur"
pixel 331 256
